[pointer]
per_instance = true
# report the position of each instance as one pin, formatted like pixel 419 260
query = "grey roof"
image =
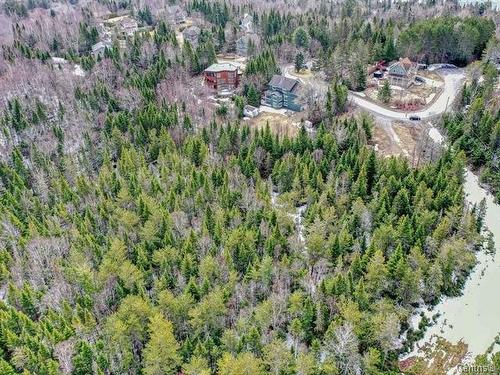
pixel 221 67
pixel 284 83
pixel 398 69
pixel 101 45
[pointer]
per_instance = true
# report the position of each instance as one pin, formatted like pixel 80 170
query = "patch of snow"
pixel 59 60
pixel 265 108
pixel 436 135
pixel 397 88
pixel 289 341
pixel 298 218
pixel 274 196
pixel 78 71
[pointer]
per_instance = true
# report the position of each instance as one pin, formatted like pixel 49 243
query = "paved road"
pixel 453 81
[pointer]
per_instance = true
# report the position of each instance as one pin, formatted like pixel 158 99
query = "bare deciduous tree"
pixel 342 345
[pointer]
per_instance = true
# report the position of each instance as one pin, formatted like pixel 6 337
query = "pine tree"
pixel 243 364
pixel 358 77
pixel 6 368
pixel 341 92
pixel 161 352
pixel 253 96
pixel 82 361
pixel 301 38
pixel 299 62
pixel 389 49
pixel 384 93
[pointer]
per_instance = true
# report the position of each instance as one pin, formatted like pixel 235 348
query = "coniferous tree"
pixel 299 62
pixel 384 93
pixel 253 96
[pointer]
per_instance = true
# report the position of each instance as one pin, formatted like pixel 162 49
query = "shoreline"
pixel 471 318
pixel 468 320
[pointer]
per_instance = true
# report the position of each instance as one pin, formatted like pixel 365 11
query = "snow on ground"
pixel 397 88
pixel 297 217
pixel 59 60
pixel 436 135
pixel 78 71
pixel 265 108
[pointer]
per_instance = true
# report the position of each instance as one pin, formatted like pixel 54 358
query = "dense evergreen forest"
pixel 173 254
pixel 476 128
pixel 449 39
pixel 145 233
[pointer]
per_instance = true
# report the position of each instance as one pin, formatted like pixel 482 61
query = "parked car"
pixel 419 79
pixel 414 118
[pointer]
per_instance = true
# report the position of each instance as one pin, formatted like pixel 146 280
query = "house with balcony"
pixel 99 49
pixel 402 72
pixel 176 15
pixel 247 45
pixel 282 92
pixel 222 77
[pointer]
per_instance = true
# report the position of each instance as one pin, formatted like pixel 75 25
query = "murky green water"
pixel 474 317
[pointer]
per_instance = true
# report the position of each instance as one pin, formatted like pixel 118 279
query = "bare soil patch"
pixel 408 135
pixel 282 125
pixel 441 357
pixel 384 144
pixel 392 138
pixel 304 73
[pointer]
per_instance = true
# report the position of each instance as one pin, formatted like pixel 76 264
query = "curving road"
pixel 453 81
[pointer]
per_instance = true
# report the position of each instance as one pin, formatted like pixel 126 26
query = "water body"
pixel 474 317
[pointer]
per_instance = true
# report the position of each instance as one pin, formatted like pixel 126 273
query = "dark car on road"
pixel 414 118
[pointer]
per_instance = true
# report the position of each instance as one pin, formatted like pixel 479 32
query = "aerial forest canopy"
pixel 446 39
pixel 146 228
pixel 476 128
pixel 181 243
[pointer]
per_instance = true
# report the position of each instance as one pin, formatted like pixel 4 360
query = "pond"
pixel 475 315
